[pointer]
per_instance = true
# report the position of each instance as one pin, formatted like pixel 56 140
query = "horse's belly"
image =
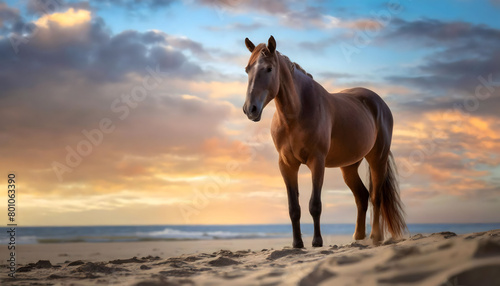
pixel 347 150
pixel 336 160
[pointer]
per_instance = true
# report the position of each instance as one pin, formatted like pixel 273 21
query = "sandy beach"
pixel 435 259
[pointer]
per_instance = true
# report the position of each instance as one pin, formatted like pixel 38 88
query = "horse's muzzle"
pixel 253 113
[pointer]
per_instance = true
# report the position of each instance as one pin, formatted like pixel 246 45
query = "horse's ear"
pixel 271 44
pixel 249 44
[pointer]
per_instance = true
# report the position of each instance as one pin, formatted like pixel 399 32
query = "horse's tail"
pixel 391 206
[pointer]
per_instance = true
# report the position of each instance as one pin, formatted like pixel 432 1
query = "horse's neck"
pixel 288 102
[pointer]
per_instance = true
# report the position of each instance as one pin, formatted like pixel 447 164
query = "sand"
pixel 436 259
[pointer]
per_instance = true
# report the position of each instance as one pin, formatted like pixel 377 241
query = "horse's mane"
pixel 292 65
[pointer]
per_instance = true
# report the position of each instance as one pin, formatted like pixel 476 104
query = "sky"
pixel 126 112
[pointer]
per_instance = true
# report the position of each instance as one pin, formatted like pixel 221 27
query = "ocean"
pixel 50 234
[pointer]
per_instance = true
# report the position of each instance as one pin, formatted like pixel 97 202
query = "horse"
pixel 320 129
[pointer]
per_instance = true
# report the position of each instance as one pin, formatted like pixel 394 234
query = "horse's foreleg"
pixel 361 195
pixel 317 167
pixel 289 172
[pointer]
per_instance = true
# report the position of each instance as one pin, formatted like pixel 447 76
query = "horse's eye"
pixel 269 69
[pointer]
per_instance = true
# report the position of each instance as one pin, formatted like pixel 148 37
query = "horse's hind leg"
pixel 378 171
pixel 361 195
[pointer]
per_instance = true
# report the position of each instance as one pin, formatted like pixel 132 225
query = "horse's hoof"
pixel 317 242
pixel 298 244
pixel 359 236
pixel 376 239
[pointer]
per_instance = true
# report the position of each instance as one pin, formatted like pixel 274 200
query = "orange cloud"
pixel 363 24
pixel 219 90
pixel 69 18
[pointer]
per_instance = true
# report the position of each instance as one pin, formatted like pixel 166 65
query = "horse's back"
pixel 358 114
pixel 373 101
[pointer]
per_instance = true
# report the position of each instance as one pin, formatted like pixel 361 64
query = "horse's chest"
pixel 298 144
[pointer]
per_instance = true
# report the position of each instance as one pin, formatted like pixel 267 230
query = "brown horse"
pixel 320 129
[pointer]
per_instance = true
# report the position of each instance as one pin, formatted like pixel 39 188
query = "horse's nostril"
pixel 254 109
pixel 244 111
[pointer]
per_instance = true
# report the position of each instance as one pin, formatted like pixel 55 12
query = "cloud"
pixel 460 69
pixel 138 3
pixel 69 18
pixel 186 44
pixel 363 24
pixel 8 14
pixel 236 27
pixel 303 17
pixel 42 7
pixel 241 6
pixel 314 17
pixel 335 75
pixel 220 90
pixel 69 42
pixel 427 32
pixel 447 154
pixel 309 17
pixel 66 78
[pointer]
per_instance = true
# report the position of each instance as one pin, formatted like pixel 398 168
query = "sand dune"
pixel 438 259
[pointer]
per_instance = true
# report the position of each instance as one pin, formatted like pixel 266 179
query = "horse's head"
pixel 263 77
